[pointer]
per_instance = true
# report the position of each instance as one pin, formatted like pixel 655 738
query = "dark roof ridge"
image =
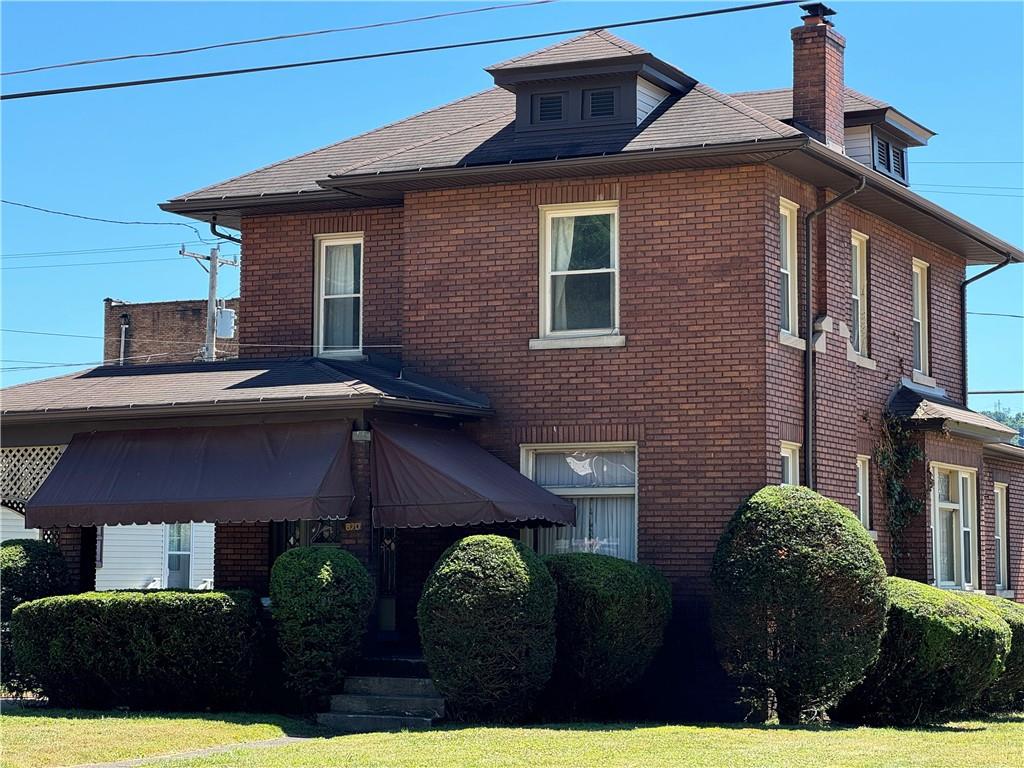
pixel 628 48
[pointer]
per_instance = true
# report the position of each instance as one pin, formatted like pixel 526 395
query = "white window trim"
pixel 167 554
pixel 322 241
pixel 788 210
pixel 922 268
pixel 528 452
pixel 547 213
pixel 859 293
pixel 960 568
pixel 1001 504
pixel 791 450
pixel 864 490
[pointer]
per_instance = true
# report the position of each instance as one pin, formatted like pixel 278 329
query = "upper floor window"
pixel 859 293
pixel 788 312
pixel 955 526
pixel 864 490
pixel 340 294
pixel 790 463
pixel 920 319
pixel 601 481
pixel 547 108
pixel 580 258
pixel 1002 550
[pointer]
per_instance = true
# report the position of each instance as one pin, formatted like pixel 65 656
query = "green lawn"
pixel 44 738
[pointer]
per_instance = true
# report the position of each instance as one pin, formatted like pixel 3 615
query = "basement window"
pixel 548 108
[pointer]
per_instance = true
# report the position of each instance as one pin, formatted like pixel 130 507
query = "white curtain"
pixel 341 270
pixel 341 304
pixel 585 469
pixel 562 228
pixel 605 525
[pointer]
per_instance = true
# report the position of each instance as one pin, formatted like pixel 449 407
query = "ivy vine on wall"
pixel 895 455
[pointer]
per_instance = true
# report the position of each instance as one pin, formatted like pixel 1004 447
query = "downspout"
pixel 963 319
pixel 126 321
pixel 808 446
pixel 223 235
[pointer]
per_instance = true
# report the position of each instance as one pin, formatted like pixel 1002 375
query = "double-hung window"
pixel 920 317
pixel 179 555
pixel 864 490
pixel 601 481
pixel 790 463
pixel 340 294
pixel 788 305
pixel 859 293
pixel 580 269
pixel 1002 550
pixel 955 526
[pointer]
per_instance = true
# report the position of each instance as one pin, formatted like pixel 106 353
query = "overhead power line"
pixel 997 314
pixel 89 263
pixel 969 162
pixel 158 340
pixel 969 194
pixel 965 186
pixel 386 54
pixel 274 38
pixel 106 221
pixel 93 251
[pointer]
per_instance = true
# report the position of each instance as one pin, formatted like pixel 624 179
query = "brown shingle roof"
pixel 590 46
pixel 778 102
pixel 931 408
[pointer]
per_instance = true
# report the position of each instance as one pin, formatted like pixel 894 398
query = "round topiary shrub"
pixel 798 602
pixel 487 626
pixel 1007 692
pixel 320 599
pixel 29 570
pixel 611 622
pixel 939 653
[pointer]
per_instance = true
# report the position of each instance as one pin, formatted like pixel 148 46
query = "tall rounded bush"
pixel 167 649
pixel 611 622
pixel 1007 692
pixel 29 570
pixel 320 599
pixel 487 625
pixel 799 601
pixel 939 653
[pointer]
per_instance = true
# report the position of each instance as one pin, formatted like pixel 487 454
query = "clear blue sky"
pixel 955 67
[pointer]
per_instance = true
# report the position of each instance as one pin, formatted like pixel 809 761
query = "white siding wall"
pixel 12 526
pixel 648 97
pixel 858 143
pixel 202 554
pixel 134 556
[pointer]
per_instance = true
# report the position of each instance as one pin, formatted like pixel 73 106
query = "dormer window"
pixel 890 157
pixel 599 103
pixel 548 108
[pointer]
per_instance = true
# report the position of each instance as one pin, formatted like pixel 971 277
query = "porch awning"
pixel 255 472
pixel 423 477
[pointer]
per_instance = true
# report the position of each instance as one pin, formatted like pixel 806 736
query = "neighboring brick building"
pixel 159 331
pixel 596 270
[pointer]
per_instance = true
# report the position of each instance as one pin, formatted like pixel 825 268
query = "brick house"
pixel 648 297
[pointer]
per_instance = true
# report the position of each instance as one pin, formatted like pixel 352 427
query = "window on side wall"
pixel 601 481
pixel 864 490
pixel 955 526
pixel 339 330
pixel 788 304
pixel 790 463
pixel 1002 563
pixel 859 293
pixel 179 555
pixel 580 256
pixel 919 333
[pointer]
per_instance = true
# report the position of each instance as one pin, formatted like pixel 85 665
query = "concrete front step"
pixel 402 706
pixel 351 723
pixel 390 686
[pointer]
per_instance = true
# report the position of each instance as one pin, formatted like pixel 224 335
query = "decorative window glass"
pixel 339 326
pixel 789 463
pixel 601 482
pixel 955 526
pixel 788 307
pixel 1002 563
pixel 864 490
pixel 179 555
pixel 580 256
pixel 859 293
pixel 919 330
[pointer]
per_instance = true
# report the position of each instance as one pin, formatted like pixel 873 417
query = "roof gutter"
pixel 963 319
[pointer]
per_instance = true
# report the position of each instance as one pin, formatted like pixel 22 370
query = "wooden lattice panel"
pixel 25 467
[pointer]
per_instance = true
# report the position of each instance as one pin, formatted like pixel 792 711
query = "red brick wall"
pixel 1000 469
pixel 242 556
pixel 818 95
pixel 160 331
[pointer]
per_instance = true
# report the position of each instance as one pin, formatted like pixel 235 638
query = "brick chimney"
pixel 818 90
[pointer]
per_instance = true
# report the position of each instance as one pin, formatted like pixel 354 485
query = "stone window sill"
pixel 1009 594
pixel 789 340
pixel 873 534
pixel 576 342
pixel 919 378
pixel 858 359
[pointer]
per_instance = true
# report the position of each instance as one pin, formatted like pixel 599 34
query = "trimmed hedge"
pixel 611 622
pixel 29 569
pixel 487 625
pixel 1007 692
pixel 799 601
pixel 321 598
pixel 159 649
pixel 939 653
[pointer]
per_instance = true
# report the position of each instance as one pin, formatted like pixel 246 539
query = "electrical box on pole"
pixel 213 322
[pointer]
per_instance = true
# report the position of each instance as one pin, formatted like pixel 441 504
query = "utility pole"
pixel 210 347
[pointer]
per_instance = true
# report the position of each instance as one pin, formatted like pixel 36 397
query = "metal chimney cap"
pixel 817 11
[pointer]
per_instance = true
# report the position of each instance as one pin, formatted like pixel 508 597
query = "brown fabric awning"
pixel 256 472
pixel 425 477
